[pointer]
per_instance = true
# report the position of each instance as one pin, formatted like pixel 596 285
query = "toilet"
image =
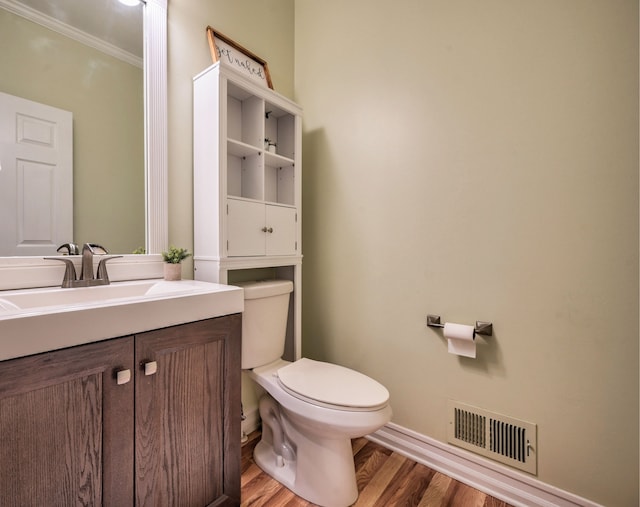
pixel 311 409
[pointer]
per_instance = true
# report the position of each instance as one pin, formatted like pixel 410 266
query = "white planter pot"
pixel 172 271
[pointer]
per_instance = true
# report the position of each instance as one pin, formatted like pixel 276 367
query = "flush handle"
pixel 150 368
pixel 123 377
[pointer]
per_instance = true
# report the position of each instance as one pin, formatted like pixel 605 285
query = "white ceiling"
pixel 108 20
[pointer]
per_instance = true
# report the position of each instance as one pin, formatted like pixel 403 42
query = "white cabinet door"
pixel 255 229
pixel 245 224
pixel 281 227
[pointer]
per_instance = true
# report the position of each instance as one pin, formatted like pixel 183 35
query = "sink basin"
pixel 39 320
pixel 102 294
pixel 56 297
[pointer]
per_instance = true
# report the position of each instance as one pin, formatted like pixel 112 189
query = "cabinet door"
pixel 188 414
pixel 245 228
pixel 281 227
pixel 66 427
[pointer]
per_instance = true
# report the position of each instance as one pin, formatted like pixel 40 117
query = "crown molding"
pixel 69 31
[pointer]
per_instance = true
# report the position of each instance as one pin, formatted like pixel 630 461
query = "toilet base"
pixel 326 477
pixel 316 467
pixel 283 471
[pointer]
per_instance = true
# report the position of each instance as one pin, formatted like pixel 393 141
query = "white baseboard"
pixel 494 479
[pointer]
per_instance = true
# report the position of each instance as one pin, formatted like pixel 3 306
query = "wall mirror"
pixel 151 202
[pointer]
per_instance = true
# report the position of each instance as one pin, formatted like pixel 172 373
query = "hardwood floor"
pixel 385 479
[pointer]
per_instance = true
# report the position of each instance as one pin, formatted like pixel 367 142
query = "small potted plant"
pixel 173 258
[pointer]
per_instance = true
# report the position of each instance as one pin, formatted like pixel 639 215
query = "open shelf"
pixel 279 185
pixel 245 176
pixel 279 129
pixel 243 120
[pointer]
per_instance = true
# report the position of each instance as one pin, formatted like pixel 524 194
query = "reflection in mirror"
pixel 102 86
pixel 27 272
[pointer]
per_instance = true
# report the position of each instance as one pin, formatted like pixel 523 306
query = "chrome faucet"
pixel 87 278
pixel 88 251
pixel 71 249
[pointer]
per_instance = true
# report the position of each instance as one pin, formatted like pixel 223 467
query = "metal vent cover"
pixel 495 436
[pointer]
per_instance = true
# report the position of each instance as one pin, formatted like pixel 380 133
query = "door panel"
pixel 282 222
pixel 36 177
pixel 188 414
pixel 66 426
pixel 245 236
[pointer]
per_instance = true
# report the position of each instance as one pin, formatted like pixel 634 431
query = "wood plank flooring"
pixel 385 479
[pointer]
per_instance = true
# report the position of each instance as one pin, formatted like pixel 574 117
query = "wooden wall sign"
pixel 229 52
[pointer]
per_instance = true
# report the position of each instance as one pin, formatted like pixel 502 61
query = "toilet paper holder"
pixel 481 328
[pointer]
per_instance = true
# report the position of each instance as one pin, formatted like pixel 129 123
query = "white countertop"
pixel 40 320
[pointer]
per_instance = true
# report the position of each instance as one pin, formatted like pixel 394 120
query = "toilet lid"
pixel 331 384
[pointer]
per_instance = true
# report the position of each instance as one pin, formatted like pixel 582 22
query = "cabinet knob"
pixel 264 229
pixel 150 368
pixel 270 229
pixel 123 377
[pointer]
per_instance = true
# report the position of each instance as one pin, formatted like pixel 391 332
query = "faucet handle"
pixel 102 268
pixel 71 248
pixel 96 249
pixel 69 272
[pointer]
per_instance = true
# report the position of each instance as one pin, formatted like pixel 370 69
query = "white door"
pixel 36 177
pixel 281 227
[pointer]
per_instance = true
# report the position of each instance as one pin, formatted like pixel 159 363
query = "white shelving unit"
pixel 247 183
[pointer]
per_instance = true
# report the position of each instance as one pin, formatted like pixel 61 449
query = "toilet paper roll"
pixel 460 339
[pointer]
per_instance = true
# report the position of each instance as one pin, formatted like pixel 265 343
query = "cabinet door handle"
pixel 123 377
pixel 150 368
pixel 270 229
pixel 264 229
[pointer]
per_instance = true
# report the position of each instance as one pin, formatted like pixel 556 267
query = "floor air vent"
pixel 498 437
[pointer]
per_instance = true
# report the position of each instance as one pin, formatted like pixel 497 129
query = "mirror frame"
pixel 29 272
pixel 155 123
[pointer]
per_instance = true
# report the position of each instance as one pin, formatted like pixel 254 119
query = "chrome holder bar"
pixel 434 321
pixel 481 328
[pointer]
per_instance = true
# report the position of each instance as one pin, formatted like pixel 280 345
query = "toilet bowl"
pixel 311 409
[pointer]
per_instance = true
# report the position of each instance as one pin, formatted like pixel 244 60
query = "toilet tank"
pixel 264 321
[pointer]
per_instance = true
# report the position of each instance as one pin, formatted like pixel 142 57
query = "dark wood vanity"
pixel 149 419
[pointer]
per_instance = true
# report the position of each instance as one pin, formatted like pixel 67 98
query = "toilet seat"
pixel 332 386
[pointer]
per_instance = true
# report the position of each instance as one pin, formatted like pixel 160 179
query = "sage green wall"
pixel 106 98
pixel 479 160
pixel 264 27
pixel 473 159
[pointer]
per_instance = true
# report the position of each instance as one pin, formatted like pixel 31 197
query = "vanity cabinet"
pixel 247 183
pixel 150 419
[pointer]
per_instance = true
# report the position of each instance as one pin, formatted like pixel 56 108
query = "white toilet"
pixel 312 410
